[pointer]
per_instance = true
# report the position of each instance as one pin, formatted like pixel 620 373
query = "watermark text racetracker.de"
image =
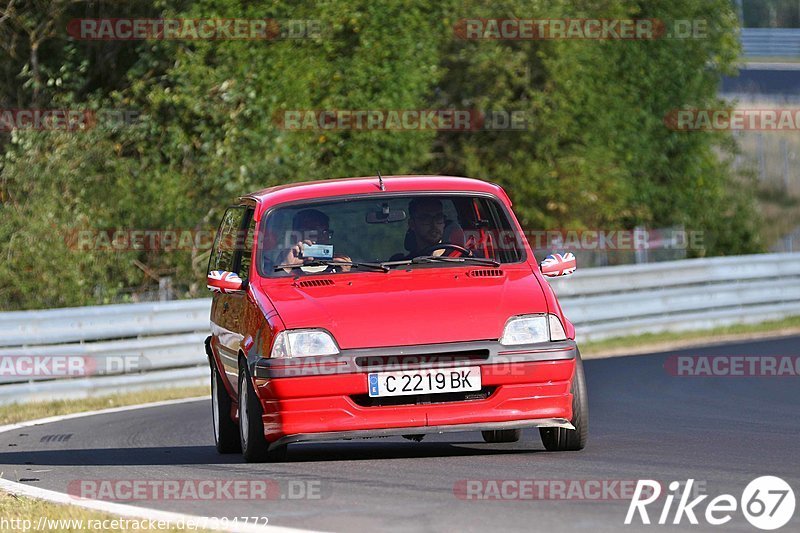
pixel 71 120
pixel 22 365
pixel 455 120
pixel 45 523
pixel 545 489
pixel 208 29
pixel 127 490
pixel 772 119
pixel 715 366
pixel 148 240
pixel 188 239
pixel 521 29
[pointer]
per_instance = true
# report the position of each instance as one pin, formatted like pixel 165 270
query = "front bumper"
pixel 389 432
pixel 323 398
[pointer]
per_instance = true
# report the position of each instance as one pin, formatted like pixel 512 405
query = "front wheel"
pixel 562 439
pixel 255 446
pixel 226 431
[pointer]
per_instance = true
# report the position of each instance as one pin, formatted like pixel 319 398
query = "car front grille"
pixel 364 400
pixel 370 362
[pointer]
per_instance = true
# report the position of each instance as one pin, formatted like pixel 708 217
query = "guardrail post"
pixel 165 292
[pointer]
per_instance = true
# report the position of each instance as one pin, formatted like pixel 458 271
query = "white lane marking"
pixel 21 489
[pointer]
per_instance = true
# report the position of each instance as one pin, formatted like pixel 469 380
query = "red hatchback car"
pixel 368 307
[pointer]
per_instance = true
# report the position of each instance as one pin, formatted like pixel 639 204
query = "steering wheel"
pixel 446 246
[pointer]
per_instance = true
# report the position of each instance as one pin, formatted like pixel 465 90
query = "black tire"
pixel 226 430
pixel 501 435
pixel 255 446
pixel 562 439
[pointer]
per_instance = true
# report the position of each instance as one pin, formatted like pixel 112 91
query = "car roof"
pixel 371 184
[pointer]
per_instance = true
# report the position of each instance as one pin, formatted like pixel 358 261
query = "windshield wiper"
pixel 329 262
pixel 446 259
pixel 441 259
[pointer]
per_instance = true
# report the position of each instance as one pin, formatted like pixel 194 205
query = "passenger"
pixel 313 226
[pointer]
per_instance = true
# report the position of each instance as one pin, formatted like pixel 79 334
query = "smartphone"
pixel 318 251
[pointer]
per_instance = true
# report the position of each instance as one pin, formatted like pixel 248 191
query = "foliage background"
pixel 597 154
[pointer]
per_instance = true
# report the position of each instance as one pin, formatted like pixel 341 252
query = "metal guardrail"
pixel 165 340
pixel 113 347
pixel 680 295
pixel 770 42
pixel 78 324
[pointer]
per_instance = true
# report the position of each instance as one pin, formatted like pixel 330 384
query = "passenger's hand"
pixel 294 256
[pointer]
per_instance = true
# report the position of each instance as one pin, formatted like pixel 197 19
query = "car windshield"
pixel 379 233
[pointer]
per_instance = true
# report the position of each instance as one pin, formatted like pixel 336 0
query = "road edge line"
pixel 107 410
pixel 120 509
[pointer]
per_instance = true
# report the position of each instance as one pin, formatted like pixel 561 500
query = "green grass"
pixel 15 509
pixel 688 337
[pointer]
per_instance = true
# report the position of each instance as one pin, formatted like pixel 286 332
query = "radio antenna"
pixel 380 182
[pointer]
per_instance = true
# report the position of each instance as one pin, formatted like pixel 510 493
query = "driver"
pixel 426 223
pixel 313 226
pixel 427 228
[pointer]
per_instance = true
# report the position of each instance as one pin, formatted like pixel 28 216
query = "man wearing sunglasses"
pixel 427 227
pixel 425 223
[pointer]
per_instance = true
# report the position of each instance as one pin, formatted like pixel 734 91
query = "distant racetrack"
pixel 645 423
pixel 764 80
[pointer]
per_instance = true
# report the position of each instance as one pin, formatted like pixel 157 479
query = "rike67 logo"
pixel 768 503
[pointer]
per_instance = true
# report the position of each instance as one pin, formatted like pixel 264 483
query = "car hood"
pixel 399 308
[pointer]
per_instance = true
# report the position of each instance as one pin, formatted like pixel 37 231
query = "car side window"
pixel 246 245
pixel 225 244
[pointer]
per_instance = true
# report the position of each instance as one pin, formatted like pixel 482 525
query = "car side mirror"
pixel 557 265
pixel 225 282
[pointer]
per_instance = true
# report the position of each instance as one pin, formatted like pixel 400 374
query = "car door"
pixel 231 252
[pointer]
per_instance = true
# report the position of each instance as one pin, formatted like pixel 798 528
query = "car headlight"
pixel 304 343
pixel 530 329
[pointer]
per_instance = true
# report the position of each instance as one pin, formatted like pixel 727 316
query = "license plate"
pixel 430 381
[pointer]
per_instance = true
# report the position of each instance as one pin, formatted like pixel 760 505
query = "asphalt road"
pixel 765 80
pixel 645 423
